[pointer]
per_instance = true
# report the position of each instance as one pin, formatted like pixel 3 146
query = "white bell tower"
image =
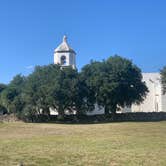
pixel 64 55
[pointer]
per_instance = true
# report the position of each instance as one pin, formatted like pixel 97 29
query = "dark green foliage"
pixel 163 79
pixel 36 91
pixel 11 96
pixel 53 87
pixel 3 110
pixel 2 87
pixel 115 82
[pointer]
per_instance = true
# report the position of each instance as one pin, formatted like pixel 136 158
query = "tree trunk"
pixel 106 111
pixel 113 111
pixel 61 114
pixel 46 111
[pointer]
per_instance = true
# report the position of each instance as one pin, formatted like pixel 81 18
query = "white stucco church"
pixel 155 100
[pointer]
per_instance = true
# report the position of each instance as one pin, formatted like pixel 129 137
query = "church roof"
pixel 64 46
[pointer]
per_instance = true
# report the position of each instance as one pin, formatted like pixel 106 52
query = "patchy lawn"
pixel 112 144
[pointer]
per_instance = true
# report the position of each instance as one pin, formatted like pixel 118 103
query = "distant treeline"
pixel 112 83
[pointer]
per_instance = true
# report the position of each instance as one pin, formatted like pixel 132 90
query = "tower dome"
pixel 64 46
pixel 64 54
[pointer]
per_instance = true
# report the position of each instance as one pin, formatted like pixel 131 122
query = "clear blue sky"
pixel 96 29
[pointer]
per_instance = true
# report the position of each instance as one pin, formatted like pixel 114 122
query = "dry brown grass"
pixel 142 143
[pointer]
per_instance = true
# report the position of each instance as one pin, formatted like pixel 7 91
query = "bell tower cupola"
pixel 64 55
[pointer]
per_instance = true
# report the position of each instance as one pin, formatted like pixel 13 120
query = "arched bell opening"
pixel 63 60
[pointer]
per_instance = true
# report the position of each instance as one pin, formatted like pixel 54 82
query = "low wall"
pixel 8 118
pixel 120 117
pixel 141 116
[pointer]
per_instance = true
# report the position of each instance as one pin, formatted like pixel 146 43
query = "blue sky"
pixel 96 29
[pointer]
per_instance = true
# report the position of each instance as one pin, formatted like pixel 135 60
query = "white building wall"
pixel 97 111
pixel 153 101
pixel 163 102
pixel 70 58
pixel 58 55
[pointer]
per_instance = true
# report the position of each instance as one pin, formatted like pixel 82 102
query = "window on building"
pixel 63 60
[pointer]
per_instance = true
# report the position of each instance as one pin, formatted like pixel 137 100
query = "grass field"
pixel 112 144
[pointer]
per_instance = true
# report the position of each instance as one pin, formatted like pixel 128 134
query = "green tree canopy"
pixel 11 95
pixel 163 79
pixel 54 87
pixel 115 82
pixel 2 87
